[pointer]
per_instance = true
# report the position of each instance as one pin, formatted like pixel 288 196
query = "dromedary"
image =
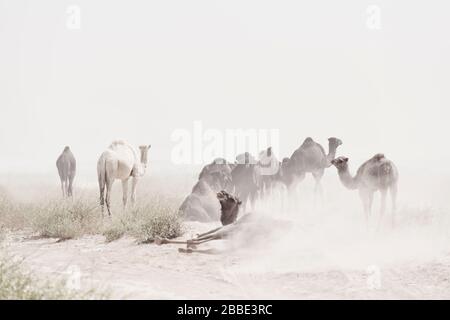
pixel 120 161
pixel 269 167
pixel 248 230
pixel 228 215
pixel 67 167
pixel 309 157
pixel 201 204
pixel 376 174
pixel 246 178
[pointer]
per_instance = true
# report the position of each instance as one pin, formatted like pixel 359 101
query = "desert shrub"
pixel 158 217
pixel 118 226
pixel 153 224
pixel 15 284
pixel 66 219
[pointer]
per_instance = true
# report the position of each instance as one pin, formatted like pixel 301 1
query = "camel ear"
pixel 345 159
pixel 239 202
pixel 149 146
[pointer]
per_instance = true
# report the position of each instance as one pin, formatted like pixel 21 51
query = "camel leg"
pixel 62 189
pixel 69 188
pixel 205 251
pixel 209 232
pixel 382 206
pixel 133 190
pixel 292 190
pixel 192 242
pixel 102 195
pixel 124 193
pixel 366 198
pixel 109 184
pixel 393 192
pixel 318 190
pixel 252 197
pixel 66 188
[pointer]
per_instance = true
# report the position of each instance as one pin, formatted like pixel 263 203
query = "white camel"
pixel 120 161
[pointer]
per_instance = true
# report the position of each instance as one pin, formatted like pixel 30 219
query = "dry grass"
pixel 16 284
pixel 158 217
pixel 66 219
pixel 73 218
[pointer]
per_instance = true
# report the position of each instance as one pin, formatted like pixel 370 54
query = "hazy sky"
pixel 138 70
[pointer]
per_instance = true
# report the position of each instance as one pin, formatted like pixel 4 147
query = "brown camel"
pixel 229 212
pixel 67 167
pixel 309 157
pixel 376 174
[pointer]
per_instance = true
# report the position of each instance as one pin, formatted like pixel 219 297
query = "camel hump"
pixel 118 142
pixel 308 141
pixel 378 157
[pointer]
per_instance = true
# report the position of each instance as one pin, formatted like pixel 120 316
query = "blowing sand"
pixel 336 267
pixel 306 250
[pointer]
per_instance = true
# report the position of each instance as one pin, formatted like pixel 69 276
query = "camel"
pixel 67 167
pixel 246 178
pixel 228 215
pixel 269 168
pixel 217 174
pixel 248 229
pixel 201 204
pixel 310 157
pixel 376 174
pixel 120 161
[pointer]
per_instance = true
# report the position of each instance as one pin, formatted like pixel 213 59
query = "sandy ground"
pixel 147 271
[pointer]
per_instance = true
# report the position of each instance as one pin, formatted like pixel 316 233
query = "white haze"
pixel 139 70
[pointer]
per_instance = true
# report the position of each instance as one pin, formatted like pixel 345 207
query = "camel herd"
pixel 247 179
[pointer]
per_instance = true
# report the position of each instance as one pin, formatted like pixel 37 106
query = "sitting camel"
pixel 376 174
pixel 201 204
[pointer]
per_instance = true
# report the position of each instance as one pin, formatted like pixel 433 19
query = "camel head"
pixel 144 152
pixel 229 207
pixel 334 142
pixel 340 162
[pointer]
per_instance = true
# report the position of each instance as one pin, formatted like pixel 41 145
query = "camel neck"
pixel 346 178
pixel 331 151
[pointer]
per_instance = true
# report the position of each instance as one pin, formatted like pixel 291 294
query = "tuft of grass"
pixel 158 218
pixel 154 224
pixel 117 227
pixel 16 284
pixel 66 219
